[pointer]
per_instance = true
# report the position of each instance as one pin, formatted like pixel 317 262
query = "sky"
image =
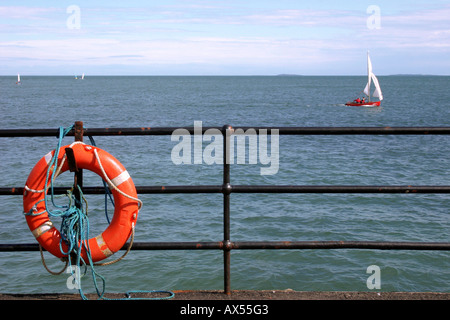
pixel 229 37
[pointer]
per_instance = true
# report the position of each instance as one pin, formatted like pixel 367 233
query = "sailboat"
pixel 377 92
pixel 18 79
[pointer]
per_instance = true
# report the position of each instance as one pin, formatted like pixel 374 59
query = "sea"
pixel 45 102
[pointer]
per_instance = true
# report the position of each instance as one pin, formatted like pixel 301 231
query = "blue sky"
pixel 224 37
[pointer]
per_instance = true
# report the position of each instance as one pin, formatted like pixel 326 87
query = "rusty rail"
pixel 226 188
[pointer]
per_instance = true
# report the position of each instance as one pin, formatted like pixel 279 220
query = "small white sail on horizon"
pixel 18 79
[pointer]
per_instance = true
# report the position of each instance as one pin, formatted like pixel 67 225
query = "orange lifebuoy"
pixel 122 187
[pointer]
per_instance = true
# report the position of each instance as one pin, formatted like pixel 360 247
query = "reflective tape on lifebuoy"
pixel 126 204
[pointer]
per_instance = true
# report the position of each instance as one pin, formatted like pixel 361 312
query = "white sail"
pixel 82 76
pixel 377 93
pixel 371 77
pixel 369 68
pixel 369 64
pixel 367 89
pixel 18 78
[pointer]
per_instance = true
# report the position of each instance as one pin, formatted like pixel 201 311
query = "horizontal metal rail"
pixel 192 130
pixel 263 245
pixel 254 189
pixel 226 189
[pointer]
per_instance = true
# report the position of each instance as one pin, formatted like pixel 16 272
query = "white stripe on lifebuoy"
pixel 48 157
pixel 43 228
pixel 124 176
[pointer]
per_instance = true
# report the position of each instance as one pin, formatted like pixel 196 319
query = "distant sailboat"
pixel 82 77
pixel 18 79
pixel 377 92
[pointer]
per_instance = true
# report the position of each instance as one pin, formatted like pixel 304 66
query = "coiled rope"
pixel 75 224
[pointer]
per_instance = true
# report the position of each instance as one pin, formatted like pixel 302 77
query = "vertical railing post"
pixel 78 172
pixel 78 133
pixel 226 190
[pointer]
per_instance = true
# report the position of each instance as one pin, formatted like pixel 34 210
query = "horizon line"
pixel 221 75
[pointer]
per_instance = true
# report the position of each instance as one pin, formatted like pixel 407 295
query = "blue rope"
pixel 75 227
pixel 107 191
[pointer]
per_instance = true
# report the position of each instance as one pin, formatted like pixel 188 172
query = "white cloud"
pixel 26 13
pixel 215 35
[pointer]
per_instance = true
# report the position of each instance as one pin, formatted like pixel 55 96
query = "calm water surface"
pixel 51 102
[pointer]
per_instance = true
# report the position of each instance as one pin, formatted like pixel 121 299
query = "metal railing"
pixel 226 188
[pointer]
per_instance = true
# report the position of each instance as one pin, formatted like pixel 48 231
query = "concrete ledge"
pixel 244 295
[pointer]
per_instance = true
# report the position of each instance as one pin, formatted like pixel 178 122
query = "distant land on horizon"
pixel 356 75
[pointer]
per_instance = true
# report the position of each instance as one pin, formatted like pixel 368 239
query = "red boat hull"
pixel 365 104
